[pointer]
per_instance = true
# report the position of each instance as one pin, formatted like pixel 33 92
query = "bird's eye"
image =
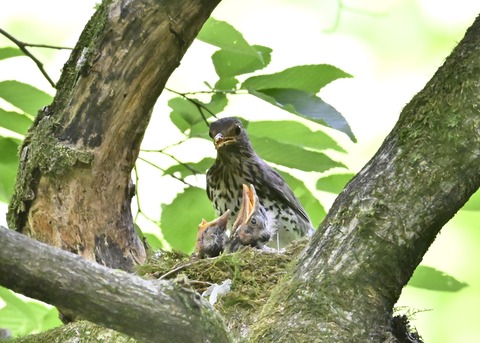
pixel 253 221
pixel 238 129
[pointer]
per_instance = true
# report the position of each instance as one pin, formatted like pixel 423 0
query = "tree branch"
pixel 346 282
pixel 81 149
pixel 149 311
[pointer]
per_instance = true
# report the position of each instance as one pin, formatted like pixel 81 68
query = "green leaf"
pixel 293 132
pixel 217 104
pixel 191 168
pixel 473 204
pixel 230 63
pixel 8 167
pixel 187 114
pixel 17 314
pixel 334 183
pixel 23 96
pixel 14 121
pixel 50 319
pixel 226 84
pixel 180 219
pixel 153 240
pixel 435 280
pixel 292 156
pixel 223 35
pixel 24 316
pixel 199 130
pixel 307 78
pixel 306 105
pixel 184 113
pixel 312 206
pixel 9 52
pixel 235 56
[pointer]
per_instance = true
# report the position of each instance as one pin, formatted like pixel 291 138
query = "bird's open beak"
pixel 220 221
pixel 220 140
pixel 248 206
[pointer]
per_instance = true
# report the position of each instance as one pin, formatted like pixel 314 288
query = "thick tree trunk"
pixel 346 282
pixel 73 186
pixel 148 310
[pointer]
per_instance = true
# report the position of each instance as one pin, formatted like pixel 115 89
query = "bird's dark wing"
pixel 210 176
pixel 282 191
pixel 208 190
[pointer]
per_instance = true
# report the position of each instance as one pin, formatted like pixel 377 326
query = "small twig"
pixel 212 91
pixel 200 106
pixel 163 170
pixel 186 165
pixel 137 197
pixel 200 282
pixel 174 270
pixel 193 170
pixel 165 148
pixel 47 46
pixel 22 46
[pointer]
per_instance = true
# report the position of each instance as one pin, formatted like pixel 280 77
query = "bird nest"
pixel 253 276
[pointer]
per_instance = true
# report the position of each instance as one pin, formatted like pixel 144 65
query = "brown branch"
pixel 95 126
pixel 149 311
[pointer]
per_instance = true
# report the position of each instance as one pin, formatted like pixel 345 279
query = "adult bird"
pixel 253 226
pixel 236 164
pixel 212 236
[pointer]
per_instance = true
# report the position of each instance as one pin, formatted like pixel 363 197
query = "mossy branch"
pixel 147 310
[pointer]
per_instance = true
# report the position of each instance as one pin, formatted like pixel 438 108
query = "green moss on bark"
pixel 41 153
pixel 81 331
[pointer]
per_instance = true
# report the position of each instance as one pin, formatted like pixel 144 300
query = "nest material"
pixel 253 273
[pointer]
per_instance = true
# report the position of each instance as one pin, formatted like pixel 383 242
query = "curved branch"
pixel 81 149
pixel 149 311
pixel 346 282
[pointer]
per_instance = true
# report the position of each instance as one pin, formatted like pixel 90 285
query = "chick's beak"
pixel 220 221
pixel 248 206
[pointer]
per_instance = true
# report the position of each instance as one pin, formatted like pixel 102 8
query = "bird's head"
pixel 212 236
pixel 252 226
pixel 228 132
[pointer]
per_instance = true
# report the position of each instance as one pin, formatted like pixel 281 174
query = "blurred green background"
pixel 391 47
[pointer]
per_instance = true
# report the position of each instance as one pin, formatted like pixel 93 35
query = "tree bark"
pixel 147 310
pixel 345 284
pixel 73 186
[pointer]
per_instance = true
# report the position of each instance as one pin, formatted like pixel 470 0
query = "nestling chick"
pixel 253 227
pixel 212 236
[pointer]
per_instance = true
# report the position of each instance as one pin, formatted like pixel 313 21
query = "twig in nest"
pixel 176 269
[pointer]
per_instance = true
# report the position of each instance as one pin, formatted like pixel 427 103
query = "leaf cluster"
pixel 295 144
